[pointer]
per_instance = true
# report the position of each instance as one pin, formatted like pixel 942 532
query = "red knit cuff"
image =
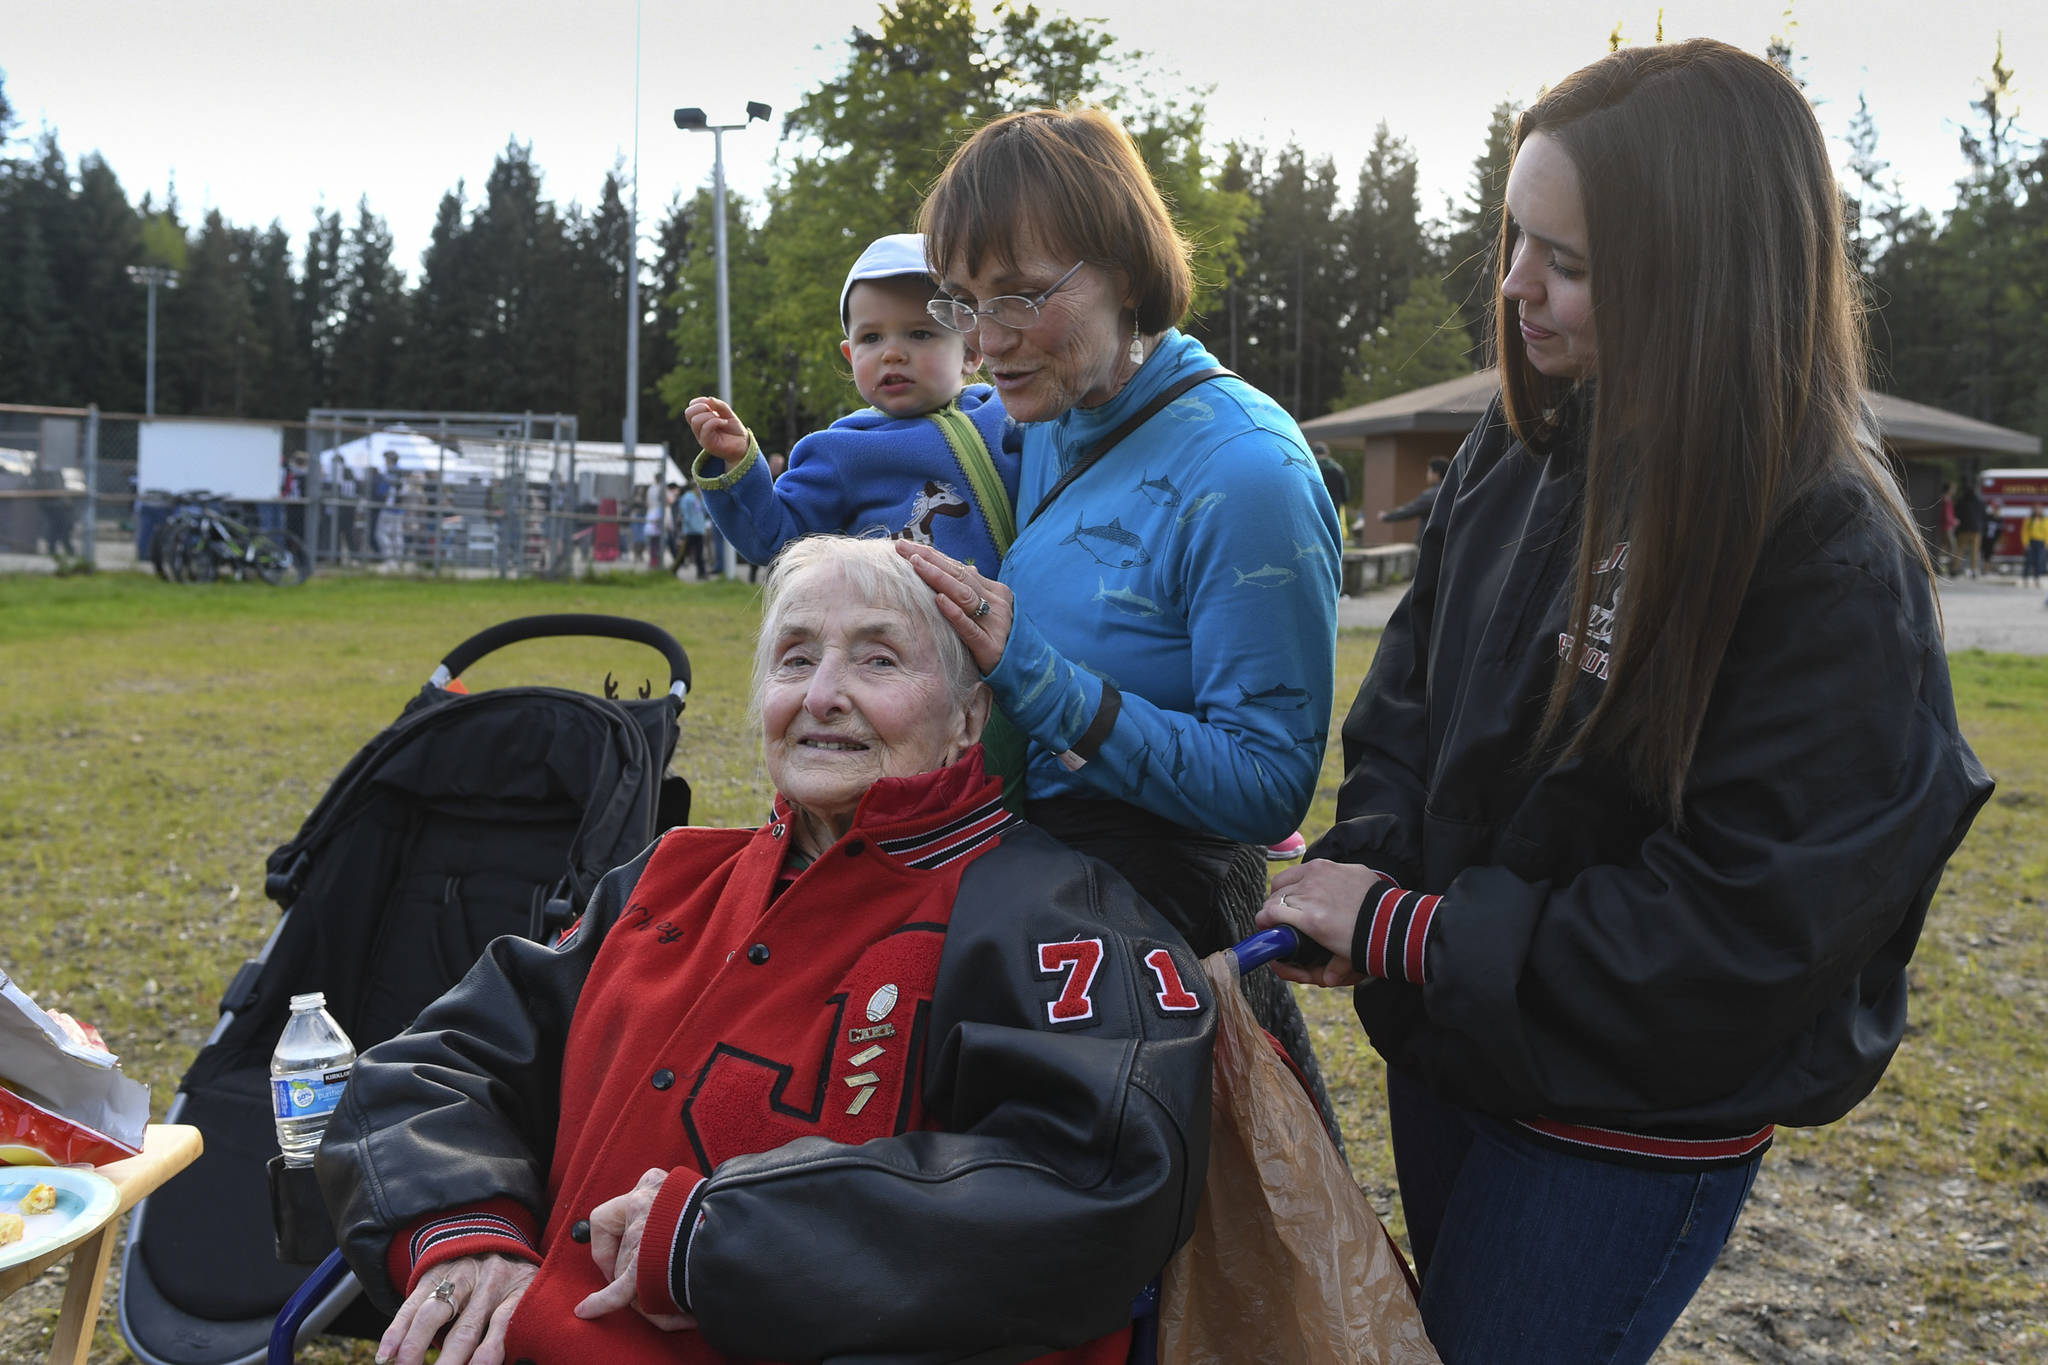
pixel 1391 941
pixel 665 1243
pixel 496 1226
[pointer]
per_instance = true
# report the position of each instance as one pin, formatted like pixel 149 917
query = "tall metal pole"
pixel 149 365
pixel 629 430
pixel 718 252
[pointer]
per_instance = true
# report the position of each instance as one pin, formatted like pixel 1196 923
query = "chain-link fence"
pixel 476 494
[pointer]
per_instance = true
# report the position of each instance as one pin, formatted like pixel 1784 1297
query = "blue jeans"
pixel 1542 1257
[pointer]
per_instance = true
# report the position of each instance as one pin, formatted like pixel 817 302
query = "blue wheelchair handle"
pixel 284 1331
pixel 1267 945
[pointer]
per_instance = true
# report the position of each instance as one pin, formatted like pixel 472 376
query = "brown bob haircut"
pixel 1070 180
pixel 1729 373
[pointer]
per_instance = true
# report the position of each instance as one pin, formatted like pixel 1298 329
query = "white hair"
pixel 868 569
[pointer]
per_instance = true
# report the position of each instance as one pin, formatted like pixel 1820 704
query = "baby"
pixel 933 460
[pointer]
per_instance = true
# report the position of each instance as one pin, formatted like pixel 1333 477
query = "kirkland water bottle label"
pixel 308 1094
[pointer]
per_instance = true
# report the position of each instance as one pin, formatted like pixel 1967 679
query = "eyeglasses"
pixel 1013 311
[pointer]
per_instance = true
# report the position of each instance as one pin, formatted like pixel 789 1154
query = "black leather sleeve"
pixel 1069 1172
pixel 479 1073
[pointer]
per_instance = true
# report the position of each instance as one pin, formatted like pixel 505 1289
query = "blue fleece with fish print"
pixel 1196 568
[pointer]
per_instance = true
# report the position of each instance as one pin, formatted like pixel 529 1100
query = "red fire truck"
pixel 2009 496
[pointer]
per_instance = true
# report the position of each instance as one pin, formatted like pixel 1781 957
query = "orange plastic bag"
pixel 1289 1265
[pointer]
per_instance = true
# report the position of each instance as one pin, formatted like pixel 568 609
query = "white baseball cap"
pixel 900 253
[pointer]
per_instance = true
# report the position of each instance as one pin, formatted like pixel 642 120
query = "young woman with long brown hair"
pixel 1657 768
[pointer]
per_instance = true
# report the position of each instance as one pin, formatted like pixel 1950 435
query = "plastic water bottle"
pixel 307 1073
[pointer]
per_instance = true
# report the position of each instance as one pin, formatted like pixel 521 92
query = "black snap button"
pixel 579 1231
pixel 664 1078
pixel 855 848
pixel 758 954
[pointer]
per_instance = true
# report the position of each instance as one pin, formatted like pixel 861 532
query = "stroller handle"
pixel 568 623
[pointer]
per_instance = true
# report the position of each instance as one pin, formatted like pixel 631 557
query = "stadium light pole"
pixel 629 430
pixel 151 275
pixel 694 121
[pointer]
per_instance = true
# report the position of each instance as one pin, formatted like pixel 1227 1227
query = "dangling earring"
pixel 1137 347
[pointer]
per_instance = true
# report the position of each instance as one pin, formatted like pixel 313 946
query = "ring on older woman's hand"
pixel 981 609
pixel 444 1292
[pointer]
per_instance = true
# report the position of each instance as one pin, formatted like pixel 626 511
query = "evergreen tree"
pixel 370 302
pixel 1475 226
pixel 1422 342
pixel 447 313
pixel 1386 242
pixel 1295 299
pixel 273 367
pixel 317 311
pixel 758 362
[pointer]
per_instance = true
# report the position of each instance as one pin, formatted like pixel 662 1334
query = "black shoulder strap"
pixel 1138 419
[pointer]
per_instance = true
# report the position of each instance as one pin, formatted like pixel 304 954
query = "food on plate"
pixel 10 1228
pixel 40 1199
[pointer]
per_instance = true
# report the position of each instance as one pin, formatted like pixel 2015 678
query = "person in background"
pixel 1417 507
pixel 2034 540
pixel 1969 528
pixel 693 525
pixel 1946 521
pixel 341 495
pixel 660 510
pixel 1657 766
pixel 1335 482
pixel 1163 631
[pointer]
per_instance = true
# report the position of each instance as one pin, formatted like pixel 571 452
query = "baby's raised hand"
pixel 717 428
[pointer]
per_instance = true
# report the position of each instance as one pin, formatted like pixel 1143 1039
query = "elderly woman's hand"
pixel 979 609
pixel 616 1226
pixel 1322 900
pixel 473 1298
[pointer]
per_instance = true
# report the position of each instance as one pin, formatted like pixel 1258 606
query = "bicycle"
pixel 199 541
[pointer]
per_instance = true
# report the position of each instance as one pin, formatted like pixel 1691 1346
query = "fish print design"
pixel 1295 457
pixel 1125 601
pixel 1265 576
pixel 1198 507
pixel 1278 697
pixel 1177 765
pixel 1111 545
pixel 1141 768
pixel 1044 680
pixel 1302 551
pixel 1160 490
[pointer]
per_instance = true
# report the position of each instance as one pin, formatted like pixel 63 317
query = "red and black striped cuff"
pixel 496 1226
pixel 663 1274
pixel 1392 938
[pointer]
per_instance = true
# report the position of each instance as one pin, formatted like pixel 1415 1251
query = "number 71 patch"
pixel 1080 959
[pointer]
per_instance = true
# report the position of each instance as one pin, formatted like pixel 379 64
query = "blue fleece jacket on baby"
pixel 1196 568
pixel 866 473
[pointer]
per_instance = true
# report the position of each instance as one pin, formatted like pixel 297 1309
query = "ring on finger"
pixel 980 609
pixel 444 1292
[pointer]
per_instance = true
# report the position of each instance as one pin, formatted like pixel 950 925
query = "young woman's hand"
pixel 717 428
pixel 616 1227
pixel 1322 900
pixel 481 1295
pixel 962 591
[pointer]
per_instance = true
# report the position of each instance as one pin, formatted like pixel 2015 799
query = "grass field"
pixel 157 742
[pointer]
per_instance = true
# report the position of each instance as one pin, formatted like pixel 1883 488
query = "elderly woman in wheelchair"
pixel 893 1076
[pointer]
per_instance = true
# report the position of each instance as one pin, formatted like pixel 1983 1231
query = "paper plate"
pixel 84 1200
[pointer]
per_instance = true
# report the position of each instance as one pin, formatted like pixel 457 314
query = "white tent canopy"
pixel 414 452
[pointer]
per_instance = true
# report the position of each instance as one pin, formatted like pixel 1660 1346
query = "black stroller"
pixel 470 816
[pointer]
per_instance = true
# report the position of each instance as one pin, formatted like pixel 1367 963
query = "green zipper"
pixel 975 463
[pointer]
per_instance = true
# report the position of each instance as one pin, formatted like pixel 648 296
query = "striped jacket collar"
pixel 930 820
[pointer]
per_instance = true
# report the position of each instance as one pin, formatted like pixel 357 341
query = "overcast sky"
pixel 264 110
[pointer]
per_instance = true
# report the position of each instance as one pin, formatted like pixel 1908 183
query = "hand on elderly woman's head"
pixel 472 1298
pixel 978 608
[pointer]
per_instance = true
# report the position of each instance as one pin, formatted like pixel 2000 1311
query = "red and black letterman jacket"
pixel 946 1095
